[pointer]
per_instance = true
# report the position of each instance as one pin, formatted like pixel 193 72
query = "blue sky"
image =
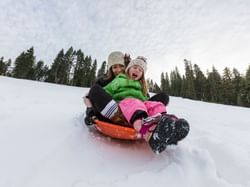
pixel 207 32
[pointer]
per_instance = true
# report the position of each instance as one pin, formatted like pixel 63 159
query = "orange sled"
pixel 116 131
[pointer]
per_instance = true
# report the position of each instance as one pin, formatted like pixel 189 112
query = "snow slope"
pixel 44 142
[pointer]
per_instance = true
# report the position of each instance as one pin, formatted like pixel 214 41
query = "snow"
pixel 44 142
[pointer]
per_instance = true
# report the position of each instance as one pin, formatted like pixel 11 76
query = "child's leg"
pixel 155 107
pixel 133 109
pixel 145 130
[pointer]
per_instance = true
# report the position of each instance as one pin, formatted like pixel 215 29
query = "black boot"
pixel 168 131
pixel 182 129
pixel 162 135
pixel 89 116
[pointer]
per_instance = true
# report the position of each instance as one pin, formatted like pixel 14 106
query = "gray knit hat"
pixel 115 57
pixel 139 62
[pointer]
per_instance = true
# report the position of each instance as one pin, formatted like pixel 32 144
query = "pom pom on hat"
pixel 115 57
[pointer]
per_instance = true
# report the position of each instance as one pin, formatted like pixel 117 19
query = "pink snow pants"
pixel 129 106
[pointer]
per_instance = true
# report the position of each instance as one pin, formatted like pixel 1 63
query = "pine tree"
pixel 93 73
pixel 245 93
pixel 214 84
pixel 167 82
pixel 189 74
pixel 227 91
pixel 101 72
pixel 87 71
pixel 54 71
pixel 184 87
pixel 78 78
pixel 24 65
pixel 153 86
pixel 150 84
pixel 199 83
pixel 60 71
pixel 247 87
pixel 165 85
pixel 175 83
pixel 40 71
pixel 67 66
pixel 237 86
pixel 156 88
pixel 4 67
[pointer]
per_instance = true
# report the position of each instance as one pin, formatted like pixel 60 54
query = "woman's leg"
pixel 106 107
pixel 102 101
pixel 160 97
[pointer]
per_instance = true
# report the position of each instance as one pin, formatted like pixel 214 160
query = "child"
pixel 131 92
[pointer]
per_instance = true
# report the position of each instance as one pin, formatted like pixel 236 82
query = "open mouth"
pixel 134 76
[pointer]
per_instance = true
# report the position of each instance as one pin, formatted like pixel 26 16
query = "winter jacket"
pixel 122 87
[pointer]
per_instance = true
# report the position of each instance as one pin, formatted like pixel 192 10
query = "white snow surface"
pixel 44 142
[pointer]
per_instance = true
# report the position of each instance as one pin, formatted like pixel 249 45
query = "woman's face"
pixel 135 72
pixel 117 68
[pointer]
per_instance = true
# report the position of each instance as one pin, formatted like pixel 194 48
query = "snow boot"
pixel 162 135
pixel 168 131
pixel 182 129
pixel 181 125
pixel 89 116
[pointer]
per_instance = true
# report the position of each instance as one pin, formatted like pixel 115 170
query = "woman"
pixel 116 65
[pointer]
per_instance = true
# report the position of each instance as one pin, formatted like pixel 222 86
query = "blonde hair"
pixel 143 82
pixel 144 85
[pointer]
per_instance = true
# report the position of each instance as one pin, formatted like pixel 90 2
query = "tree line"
pixel 230 88
pixel 73 67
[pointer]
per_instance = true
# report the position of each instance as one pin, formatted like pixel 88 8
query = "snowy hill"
pixel 44 142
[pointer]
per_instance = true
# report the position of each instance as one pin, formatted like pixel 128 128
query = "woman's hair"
pixel 110 74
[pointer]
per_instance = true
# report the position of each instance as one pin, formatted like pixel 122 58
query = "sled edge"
pixel 116 131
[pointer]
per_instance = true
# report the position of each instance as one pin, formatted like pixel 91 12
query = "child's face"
pixel 135 72
pixel 117 68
